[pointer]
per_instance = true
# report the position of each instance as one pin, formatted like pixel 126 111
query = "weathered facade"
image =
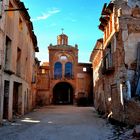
pixel 63 80
pixel 43 85
pixel 115 61
pixel 18 45
pixel 2 37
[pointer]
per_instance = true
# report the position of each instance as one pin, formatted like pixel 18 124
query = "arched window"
pixel 57 70
pixel 68 70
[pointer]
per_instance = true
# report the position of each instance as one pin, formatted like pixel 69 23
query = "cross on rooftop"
pixel 62 30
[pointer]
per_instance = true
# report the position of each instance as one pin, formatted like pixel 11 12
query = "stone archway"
pixel 63 93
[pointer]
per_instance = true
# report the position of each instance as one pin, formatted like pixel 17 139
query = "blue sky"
pixel 79 18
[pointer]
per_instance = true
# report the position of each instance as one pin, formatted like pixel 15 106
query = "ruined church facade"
pixel 63 80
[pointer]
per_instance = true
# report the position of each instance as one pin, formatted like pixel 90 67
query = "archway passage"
pixel 63 93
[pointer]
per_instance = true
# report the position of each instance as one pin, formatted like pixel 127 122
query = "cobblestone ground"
pixel 58 123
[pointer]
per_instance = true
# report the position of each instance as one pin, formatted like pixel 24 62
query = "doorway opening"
pixel 63 93
pixel 17 98
pixel 6 99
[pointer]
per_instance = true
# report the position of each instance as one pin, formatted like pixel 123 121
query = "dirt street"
pixel 58 123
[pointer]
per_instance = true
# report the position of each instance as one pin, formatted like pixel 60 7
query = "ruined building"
pixel 18 45
pixel 63 80
pixel 116 61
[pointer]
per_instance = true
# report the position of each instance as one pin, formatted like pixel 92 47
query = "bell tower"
pixel 62 39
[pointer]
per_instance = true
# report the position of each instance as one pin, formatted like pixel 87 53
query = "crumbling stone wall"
pixel 132 112
pixel 118 85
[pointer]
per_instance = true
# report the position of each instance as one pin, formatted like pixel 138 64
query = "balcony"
pixel 69 76
pixel 66 77
pixel 108 64
pixel 57 77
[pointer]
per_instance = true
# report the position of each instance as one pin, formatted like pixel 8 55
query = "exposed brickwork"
pixel 114 74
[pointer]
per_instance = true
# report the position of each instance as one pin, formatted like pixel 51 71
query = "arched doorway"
pixel 63 93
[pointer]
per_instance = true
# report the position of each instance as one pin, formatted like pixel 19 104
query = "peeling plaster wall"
pixel 113 89
pixel 130 47
pixel 127 43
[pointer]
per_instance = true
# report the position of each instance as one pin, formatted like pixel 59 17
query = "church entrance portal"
pixel 63 93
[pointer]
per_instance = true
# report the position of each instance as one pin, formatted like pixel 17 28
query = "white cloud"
pixel 46 15
pixel 42 17
pixel 54 11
